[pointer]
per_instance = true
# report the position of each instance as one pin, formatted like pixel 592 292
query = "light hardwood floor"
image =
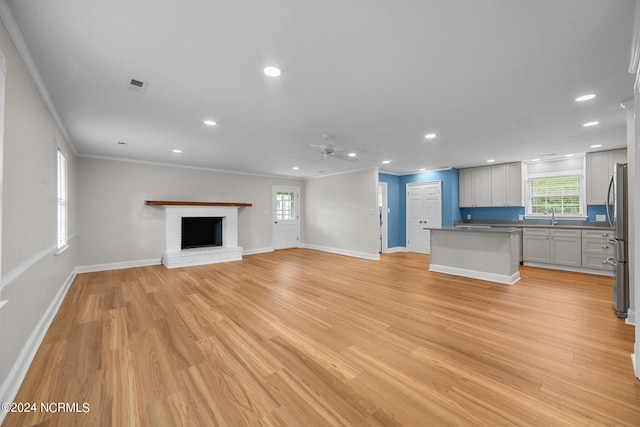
pixel 301 337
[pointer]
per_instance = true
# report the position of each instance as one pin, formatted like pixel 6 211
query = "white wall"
pixel 115 226
pixel 32 275
pixel 340 213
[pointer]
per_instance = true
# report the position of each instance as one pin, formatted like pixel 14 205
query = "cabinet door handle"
pixel 605 246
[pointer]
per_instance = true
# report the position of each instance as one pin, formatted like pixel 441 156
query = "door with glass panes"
pixel 286 217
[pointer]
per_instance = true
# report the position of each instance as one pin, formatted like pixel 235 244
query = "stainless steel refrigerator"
pixel 617 213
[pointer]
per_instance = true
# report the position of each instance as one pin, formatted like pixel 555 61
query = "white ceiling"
pixel 493 78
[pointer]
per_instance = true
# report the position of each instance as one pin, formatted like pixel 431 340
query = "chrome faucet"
pixel 553 215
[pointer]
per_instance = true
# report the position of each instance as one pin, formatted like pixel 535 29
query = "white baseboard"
pixel 636 367
pixel 346 252
pixel 14 379
pixel 395 249
pixel 117 265
pixel 257 251
pixel 631 318
pixel 568 268
pixel 474 274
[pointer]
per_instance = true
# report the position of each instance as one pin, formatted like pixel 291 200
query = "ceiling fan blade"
pixel 346 157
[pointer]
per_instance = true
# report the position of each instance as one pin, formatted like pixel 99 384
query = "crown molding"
pixel 16 35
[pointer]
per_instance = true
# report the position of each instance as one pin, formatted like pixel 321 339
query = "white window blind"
pixel 557 184
pixel 62 200
pixel 561 193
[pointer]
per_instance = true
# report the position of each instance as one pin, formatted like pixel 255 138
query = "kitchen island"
pixel 479 252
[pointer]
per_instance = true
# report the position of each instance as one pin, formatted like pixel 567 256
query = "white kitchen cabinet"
pixel 535 245
pixel 552 246
pixel 596 248
pixel 506 184
pixel 599 171
pixel 475 187
pixel 565 247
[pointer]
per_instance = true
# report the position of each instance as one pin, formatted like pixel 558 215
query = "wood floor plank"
pixel 301 337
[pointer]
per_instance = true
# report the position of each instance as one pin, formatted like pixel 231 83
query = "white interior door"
pixel 424 212
pixel 286 217
pixel 415 235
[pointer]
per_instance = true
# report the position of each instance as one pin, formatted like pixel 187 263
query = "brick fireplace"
pixel 174 256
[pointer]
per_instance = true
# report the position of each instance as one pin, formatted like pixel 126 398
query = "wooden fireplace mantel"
pixel 175 203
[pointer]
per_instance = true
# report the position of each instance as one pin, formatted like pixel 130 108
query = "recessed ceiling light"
pixel 491 161
pixel 569 155
pixel 272 71
pixel 586 97
pixel 423 169
pixel 209 122
pixel 295 168
pixel 386 162
pixel 430 136
pixel 589 124
pixel 352 154
pixel 595 146
pixel 535 160
pixel 175 150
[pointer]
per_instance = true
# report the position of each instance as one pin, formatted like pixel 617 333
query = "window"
pixel 62 200
pixel 557 184
pixel 285 205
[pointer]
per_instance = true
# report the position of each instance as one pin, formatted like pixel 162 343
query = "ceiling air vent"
pixel 137 85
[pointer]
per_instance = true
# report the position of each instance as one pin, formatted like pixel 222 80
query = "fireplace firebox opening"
pixel 200 232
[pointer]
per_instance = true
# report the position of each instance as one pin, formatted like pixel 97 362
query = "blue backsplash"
pixel 513 213
pixel 509 213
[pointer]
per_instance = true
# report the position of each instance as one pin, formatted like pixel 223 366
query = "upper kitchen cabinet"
pixel 475 187
pixel 506 184
pixel 496 185
pixel 599 171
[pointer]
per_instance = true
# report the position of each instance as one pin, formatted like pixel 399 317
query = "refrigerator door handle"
pixel 609 203
pixel 611 261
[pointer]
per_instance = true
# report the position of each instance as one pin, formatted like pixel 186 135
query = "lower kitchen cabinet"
pixel 596 248
pixel 535 245
pixel 566 247
pixel 552 246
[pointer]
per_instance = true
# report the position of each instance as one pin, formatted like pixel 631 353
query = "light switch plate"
pixel 601 217
pixel 520 217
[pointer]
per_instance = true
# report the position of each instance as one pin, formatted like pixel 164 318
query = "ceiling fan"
pixel 329 150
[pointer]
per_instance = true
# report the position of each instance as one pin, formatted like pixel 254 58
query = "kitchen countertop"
pixel 586 225
pixel 480 229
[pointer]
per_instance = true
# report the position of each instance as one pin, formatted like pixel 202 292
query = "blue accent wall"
pixel 397 186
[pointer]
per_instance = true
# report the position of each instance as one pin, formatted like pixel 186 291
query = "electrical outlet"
pixel 468 216
pixel 601 217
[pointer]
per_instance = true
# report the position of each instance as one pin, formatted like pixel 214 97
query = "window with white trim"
pixel 62 200
pixel 556 185
pixel 285 205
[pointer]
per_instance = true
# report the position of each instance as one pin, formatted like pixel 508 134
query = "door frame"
pixel 274 191
pixel 384 227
